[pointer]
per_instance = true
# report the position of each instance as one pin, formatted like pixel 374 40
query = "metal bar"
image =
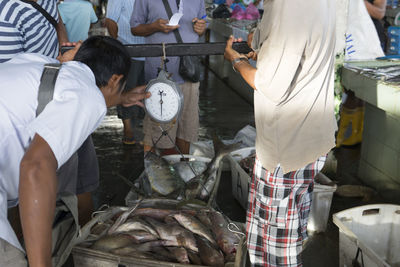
pixel 185 49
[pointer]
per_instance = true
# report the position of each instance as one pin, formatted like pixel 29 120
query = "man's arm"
pixel 247 71
pixel 159 25
pixel 377 9
pixel 37 195
pixel 112 28
pixel 61 31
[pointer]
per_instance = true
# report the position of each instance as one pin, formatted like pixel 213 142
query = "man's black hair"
pixel 105 56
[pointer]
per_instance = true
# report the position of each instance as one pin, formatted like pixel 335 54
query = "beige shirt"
pixel 294 100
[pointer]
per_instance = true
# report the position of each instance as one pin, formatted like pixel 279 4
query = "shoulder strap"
pixel 43 11
pixel 46 87
pixel 169 13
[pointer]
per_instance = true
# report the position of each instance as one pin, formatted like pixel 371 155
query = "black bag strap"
pixel 43 11
pixel 46 87
pixel 355 261
pixel 169 13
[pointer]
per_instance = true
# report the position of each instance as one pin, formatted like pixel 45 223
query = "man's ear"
pixel 115 81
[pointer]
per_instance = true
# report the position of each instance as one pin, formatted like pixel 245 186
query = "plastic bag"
pixel 362 41
pixel 238 13
pixel 252 12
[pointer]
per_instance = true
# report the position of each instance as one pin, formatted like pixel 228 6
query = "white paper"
pixel 175 19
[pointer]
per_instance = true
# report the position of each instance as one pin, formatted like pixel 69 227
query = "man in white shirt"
pixel 33 148
pixel 295 122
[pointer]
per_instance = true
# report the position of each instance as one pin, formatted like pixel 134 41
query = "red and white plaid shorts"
pixel 277 214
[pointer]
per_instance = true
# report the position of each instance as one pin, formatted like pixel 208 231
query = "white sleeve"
pixel 70 117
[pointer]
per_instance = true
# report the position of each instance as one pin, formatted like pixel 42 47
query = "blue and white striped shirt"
pixel 120 11
pixel 24 29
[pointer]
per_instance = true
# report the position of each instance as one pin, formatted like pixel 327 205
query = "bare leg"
pixel 128 132
pixel 85 208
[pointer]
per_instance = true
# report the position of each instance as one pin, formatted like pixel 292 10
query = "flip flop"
pixel 130 141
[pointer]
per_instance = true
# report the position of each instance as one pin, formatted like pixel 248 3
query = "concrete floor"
pixel 223 111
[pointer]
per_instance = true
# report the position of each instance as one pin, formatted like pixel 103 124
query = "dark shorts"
pixel 80 174
pixel 135 78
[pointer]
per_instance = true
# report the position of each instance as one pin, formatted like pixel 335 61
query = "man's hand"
pixel 230 54
pixel 253 54
pixel 135 96
pixel 70 54
pixel 160 25
pixel 199 26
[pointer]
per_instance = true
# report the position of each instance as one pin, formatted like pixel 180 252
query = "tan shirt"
pixel 294 100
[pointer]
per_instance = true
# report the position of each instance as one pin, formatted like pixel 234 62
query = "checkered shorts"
pixel 277 214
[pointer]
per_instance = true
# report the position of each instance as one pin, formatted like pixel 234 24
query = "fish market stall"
pixel 378 84
pixel 160 232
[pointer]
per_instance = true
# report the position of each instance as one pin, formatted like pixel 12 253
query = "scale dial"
pixel 166 99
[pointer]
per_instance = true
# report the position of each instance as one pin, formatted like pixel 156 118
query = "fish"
pixel 179 236
pixel 185 169
pixel 201 186
pixel 162 177
pixel 135 224
pixel 122 218
pixel 140 236
pixel 159 214
pixel 208 254
pixel 162 251
pixel 144 247
pixel 202 215
pixel 110 242
pixel 227 240
pixel 247 163
pixel 355 191
pixel 194 257
pixel 195 226
pixel 180 254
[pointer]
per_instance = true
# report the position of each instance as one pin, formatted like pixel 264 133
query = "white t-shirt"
pixel 77 108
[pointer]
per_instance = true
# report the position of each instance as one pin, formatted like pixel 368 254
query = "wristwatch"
pixel 237 60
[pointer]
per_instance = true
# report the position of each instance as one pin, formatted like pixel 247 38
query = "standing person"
pixel 78 16
pixel 34 33
pixel 295 122
pixel 377 9
pixel 34 147
pixel 150 19
pixel 118 25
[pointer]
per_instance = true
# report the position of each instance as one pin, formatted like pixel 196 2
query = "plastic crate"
pixel 322 194
pixel 374 230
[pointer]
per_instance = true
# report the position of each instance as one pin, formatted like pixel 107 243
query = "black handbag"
pixel 189 66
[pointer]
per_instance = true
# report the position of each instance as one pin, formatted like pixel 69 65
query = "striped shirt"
pixel 120 12
pixel 24 29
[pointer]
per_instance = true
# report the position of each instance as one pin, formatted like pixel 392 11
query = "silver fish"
pixel 186 172
pixel 202 185
pixel 162 177
pixel 208 254
pixel 194 225
pixel 176 234
pixel 135 224
pixel 111 242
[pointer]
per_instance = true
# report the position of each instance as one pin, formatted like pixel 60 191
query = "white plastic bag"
pixel 362 41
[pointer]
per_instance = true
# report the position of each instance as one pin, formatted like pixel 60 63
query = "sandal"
pixel 130 141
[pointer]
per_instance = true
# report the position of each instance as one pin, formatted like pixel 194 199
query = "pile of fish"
pixel 390 74
pixel 182 235
pixel 182 180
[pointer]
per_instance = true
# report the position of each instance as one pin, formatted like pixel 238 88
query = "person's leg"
pixel 88 180
pixel 153 135
pixel 10 256
pixel 188 124
pixel 277 215
pixel 131 116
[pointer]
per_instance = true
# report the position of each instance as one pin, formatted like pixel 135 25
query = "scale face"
pixel 166 99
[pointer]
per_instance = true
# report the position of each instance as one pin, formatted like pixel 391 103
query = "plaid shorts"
pixel 277 214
